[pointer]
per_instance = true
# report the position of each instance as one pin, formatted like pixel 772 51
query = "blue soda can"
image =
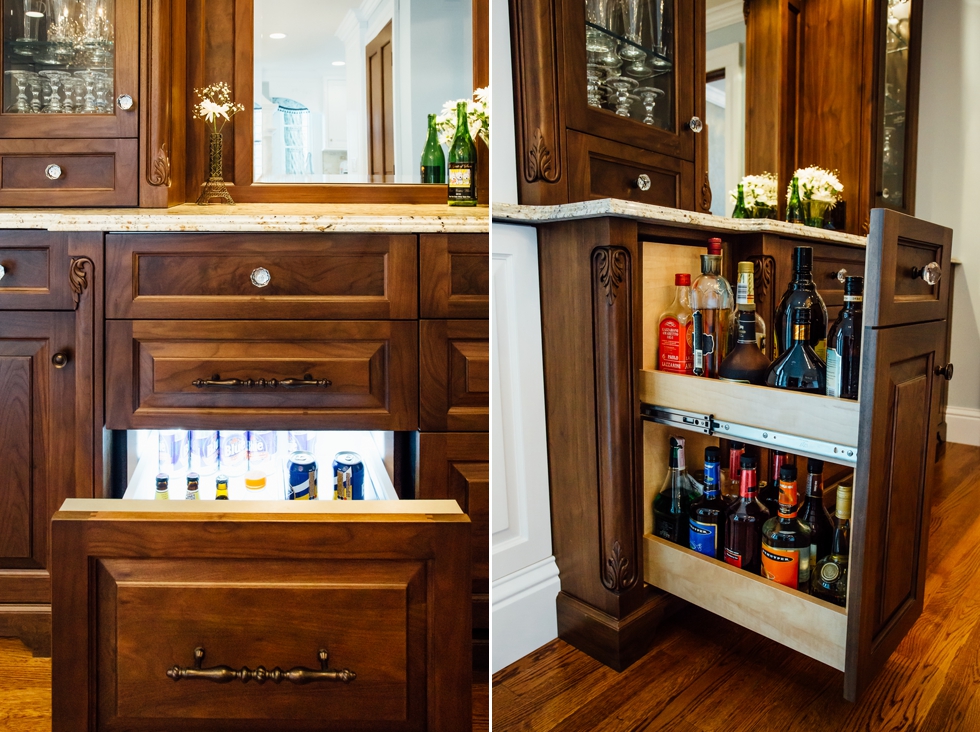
pixel 262 446
pixel 301 440
pixel 174 456
pixel 301 469
pixel 233 452
pixel 204 451
pixel 350 463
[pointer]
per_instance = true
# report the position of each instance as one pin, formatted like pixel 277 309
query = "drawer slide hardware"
pixel 224 674
pixel 708 425
pixel 306 381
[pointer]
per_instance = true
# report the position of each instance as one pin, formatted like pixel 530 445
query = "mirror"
pixel 343 89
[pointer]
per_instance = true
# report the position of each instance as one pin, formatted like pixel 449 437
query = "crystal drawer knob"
pixel 695 125
pixel 53 171
pixel 841 275
pixel 930 274
pixel 3 271
pixel 261 277
pixel 643 182
pixel 124 102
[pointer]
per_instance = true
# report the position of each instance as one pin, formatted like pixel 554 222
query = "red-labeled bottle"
pixel 731 479
pixel 674 343
pixel 743 530
pixel 769 495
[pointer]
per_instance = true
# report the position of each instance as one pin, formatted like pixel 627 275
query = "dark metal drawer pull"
pixel 224 674
pixel 306 381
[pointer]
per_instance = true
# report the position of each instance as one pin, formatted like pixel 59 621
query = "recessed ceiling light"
pixel 277 36
pixel 339 63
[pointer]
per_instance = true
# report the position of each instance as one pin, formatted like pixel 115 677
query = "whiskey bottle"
pixel 462 163
pixel 671 506
pixel 743 528
pixel 745 300
pixel 769 495
pixel 801 293
pixel 739 212
pixel 433 165
pixel 675 332
pixel 794 209
pixel 732 478
pixel 746 364
pixel 829 578
pixel 162 494
pixel 799 368
pixel 785 539
pixel 712 302
pixel 709 512
pixel 814 514
pixel 844 344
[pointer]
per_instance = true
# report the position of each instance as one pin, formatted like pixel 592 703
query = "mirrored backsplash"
pixel 343 88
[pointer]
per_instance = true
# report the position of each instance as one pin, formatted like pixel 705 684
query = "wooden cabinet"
pixel 454 372
pixel 455 276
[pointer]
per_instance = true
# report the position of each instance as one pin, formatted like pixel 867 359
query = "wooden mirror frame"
pixel 219 46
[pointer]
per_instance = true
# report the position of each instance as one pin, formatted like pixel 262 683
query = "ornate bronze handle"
pixel 306 381
pixel 224 674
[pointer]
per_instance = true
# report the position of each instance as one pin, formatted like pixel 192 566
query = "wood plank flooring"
pixel 709 675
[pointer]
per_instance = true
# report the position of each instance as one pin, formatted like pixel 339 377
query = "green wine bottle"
pixel 740 212
pixel 462 163
pixel 794 209
pixel 433 159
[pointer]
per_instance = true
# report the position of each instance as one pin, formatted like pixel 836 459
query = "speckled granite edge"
pixel 509 212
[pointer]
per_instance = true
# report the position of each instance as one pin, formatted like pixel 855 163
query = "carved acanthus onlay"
pixel 764 267
pixel 706 193
pixel 612 265
pixel 78 278
pixel 159 172
pixel 617 570
pixel 539 166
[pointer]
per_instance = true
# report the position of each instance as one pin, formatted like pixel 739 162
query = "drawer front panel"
pixel 68 172
pixel 455 276
pixel 455 375
pixel 825 275
pixel 36 271
pixel 162 373
pixel 261 276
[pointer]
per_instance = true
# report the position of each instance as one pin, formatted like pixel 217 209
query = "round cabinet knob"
pixel 945 371
pixel 60 360
pixel 841 275
pixel 3 271
pixel 53 171
pixel 124 102
pixel 643 182
pixel 261 277
pixel 930 274
pixel 695 125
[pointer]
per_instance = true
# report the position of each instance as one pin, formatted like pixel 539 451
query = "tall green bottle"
pixel 794 209
pixel 462 163
pixel 740 212
pixel 433 159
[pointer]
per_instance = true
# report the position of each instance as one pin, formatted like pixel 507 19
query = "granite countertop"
pixel 508 212
pixel 258 217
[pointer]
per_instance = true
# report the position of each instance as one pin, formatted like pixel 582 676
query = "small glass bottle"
pixel 745 300
pixel 462 162
pixel 221 488
pixel 801 292
pixel 794 208
pixel 671 506
pixel 709 512
pixel 814 514
pixel 743 529
pixel 829 578
pixel 746 364
pixel 162 493
pixel 193 484
pixel 739 212
pixel 799 368
pixel 675 333
pixel 433 165
pixel 713 303
pixel 732 478
pixel 844 344
pixel 769 495
pixel 786 540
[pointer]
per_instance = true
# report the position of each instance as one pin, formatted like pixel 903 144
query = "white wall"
pixel 947 186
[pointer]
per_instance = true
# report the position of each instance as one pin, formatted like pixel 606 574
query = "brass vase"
pixel 215 190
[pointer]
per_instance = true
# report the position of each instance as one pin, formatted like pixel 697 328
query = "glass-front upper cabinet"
pixel 70 68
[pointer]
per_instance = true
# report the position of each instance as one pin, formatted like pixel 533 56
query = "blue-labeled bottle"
pixel 708 513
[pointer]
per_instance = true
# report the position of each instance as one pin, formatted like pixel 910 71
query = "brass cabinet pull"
pixel 306 381
pixel 224 674
pixel 60 360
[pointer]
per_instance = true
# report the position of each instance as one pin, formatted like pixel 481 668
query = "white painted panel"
pixel 523 612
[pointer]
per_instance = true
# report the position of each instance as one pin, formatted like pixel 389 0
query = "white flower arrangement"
pixel 817 184
pixel 216 105
pixel 759 191
pixel 477 113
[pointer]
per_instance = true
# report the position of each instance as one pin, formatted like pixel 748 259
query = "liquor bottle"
pixel 221 488
pixel 671 506
pixel 844 344
pixel 162 493
pixel 801 293
pixel 769 495
pixel 814 514
pixel 732 479
pixel 794 209
pixel 462 163
pixel 739 212
pixel 193 484
pixel 712 301
pixel 745 300
pixel 799 368
pixel 829 578
pixel 709 512
pixel 746 364
pixel 674 342
pixel 433 159
pixel 743 529
pixel 785 539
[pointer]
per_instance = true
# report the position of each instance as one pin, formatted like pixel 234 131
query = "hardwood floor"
pixel 709 675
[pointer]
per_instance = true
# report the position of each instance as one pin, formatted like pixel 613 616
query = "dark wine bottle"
pixel 739 212
pixel 801 293
pixel 786 540
pixel 814 514
pixel 799 368
pixel 462 162
pixel 769 495
pixel 844 344
pixel 433 166
pixel 743 529
pixel 794 208
pixel 671 506
pixel 746 363
pixel 709 512
pixel 828 581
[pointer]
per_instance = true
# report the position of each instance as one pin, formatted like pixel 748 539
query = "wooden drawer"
pixel 310 276
pixel 384 590
pixel 827 263
pixel 152 367
pixel 455 276
pixel 37 271
pixel 92 172
pixel 606 169
pixel 454 373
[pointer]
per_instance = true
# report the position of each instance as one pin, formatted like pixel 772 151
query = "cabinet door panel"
pixel 899 410
pixel 455 276
pixel 455 375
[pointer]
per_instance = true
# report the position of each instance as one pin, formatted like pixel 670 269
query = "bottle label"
pixel 745 289
pixel 789 567
pixel 462 186
pixel 821 349
pixel 704 539
pixel 676 354
pixel 853 298
pixel 833 373
pixel 712 479
pixel 802 332
pixel 733 557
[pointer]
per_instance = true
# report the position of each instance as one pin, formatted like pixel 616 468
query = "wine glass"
pixel 594 73
pixel 631 51
pixel 20 105
pixel 620 88
pixel 34 82
pixel 101 87
pixel 659 57
pixel 88 78
pixel 648 97
pixel 55 78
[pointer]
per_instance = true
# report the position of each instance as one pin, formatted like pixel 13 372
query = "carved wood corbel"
pixel 78 278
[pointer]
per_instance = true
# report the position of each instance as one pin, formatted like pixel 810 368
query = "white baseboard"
pixel 523 615
pixel 963 425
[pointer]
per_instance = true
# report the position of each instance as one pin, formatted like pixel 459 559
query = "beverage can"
pixel 173 451
pixel 301 471
pixel 204 451
pixel 233 452
pixel 301 441
pixel 351 465
pixel 162 493
pixel 262 445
